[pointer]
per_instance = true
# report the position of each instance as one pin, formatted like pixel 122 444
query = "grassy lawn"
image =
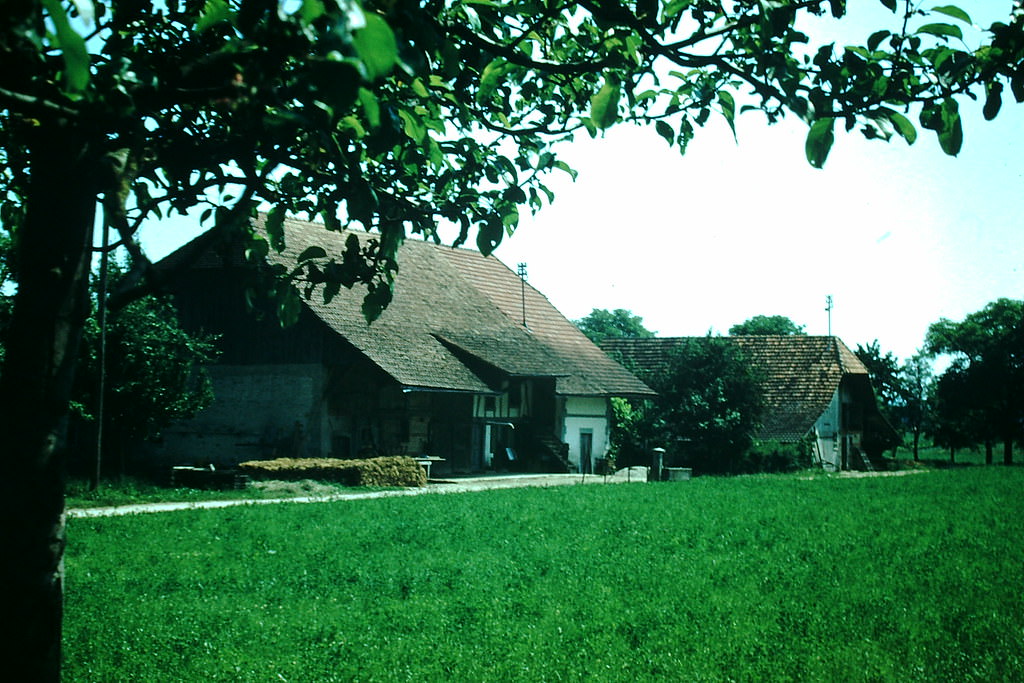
pixel 913 577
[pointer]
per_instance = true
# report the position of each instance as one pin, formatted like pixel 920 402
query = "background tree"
pixel 707 409
pixel 766 324
pixel 155 375
pixel 600 324
pixel 914 409
pixel 884 369
pixel 978 396
pixel 389 115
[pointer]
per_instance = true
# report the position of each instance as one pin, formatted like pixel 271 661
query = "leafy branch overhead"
pixel 397 116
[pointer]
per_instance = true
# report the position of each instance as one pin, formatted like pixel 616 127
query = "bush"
pixel 778 456
pixel 387 471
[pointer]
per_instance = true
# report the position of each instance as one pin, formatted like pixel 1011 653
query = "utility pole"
pixel 828 309
pixel 101 384
pixel 521 269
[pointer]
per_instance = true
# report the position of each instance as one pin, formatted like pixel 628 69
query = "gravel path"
pixel 451 485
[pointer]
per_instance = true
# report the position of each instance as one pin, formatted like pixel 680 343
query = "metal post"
pixel 101 361
pixel 657 464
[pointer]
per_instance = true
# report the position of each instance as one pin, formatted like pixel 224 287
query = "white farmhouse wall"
pixel 827 441
pixel 586 415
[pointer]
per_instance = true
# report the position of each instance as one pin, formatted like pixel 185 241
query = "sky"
pixel 899 236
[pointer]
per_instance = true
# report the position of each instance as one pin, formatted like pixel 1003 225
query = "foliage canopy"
pixel 978 397
pixel 766 324
pixel 398 116
pixel 600 324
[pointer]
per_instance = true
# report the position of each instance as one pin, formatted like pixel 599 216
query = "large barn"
pixel 469 364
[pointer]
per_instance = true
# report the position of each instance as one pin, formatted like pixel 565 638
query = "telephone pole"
pixel 521 269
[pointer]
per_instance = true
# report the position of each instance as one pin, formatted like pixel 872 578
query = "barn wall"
pixel 259 411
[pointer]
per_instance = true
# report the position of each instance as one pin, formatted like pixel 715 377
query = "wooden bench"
pixel 426 461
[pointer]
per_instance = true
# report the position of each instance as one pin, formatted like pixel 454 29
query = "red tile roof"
pixel 449 300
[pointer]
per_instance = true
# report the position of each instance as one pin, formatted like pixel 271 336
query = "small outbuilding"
pixel 812 387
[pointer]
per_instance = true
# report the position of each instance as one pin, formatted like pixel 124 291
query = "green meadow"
pixel 903 578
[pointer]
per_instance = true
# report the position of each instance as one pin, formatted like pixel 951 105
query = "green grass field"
pixel 914 577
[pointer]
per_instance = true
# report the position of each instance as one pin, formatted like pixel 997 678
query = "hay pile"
pixel 387 471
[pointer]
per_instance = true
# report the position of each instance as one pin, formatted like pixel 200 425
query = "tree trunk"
pixel 53 256
pixel 1008 451
pixel 988 451
pixel 917 441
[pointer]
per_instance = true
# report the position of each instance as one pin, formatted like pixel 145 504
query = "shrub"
pixel 386 471
pixel 777 456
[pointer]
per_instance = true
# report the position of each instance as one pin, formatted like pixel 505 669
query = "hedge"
pixel 386 471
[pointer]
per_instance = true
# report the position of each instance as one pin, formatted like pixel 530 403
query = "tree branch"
pixel 36 105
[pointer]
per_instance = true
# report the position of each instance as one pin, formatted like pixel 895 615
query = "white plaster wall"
pixel 827 431
pixel 583 413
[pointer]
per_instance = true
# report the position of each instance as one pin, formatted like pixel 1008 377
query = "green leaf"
pixel 1017 86
pixel 951 138
pixel 510 219
pixel 562 166
pixel 955 12
pixel 993 100
pixel 889 5
pixel 604 106
pixel 73 50
pixel 371 107
pixel 311 253
pixel 728 106
pixel 665 131
pixel 275 227
pixel 420 88
pixel 289 306
pixel 376 300
pixel 331 289
pixel 376 46
pixel 942 30
pixel 214 12
pixel 491 78
pixel 876 39
pixel 944 119
pixel 412 126
pixel 311 10
pixel 489 236
pixel 903 125
pixel 819 141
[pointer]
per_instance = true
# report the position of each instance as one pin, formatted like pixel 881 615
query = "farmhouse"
pixel 812 387
pixel 469 364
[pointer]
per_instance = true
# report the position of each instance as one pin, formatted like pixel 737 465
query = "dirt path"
pixel 449 485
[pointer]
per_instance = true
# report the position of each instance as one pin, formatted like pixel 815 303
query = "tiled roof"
pixel 798 374
pixel 456 301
